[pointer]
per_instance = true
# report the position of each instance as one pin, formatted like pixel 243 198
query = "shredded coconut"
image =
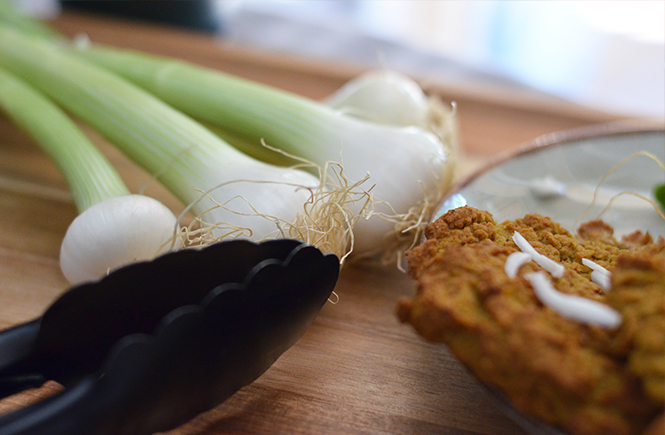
pixel 555 269
pixel 599 274
pixel 514 262
pixel 595 266
pixel 571 306
pixel 603 280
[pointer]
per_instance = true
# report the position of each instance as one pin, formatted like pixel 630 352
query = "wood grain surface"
pixel 356 370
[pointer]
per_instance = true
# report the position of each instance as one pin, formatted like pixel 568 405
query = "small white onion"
pixel 570 306
pixel 383 96
pixel 409 165
pixel 114 233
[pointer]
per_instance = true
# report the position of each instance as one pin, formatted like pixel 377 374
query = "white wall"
pixel 605 54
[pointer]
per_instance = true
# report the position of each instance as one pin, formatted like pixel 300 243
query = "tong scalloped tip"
pixel 154 344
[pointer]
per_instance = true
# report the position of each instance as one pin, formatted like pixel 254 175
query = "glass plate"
pixel 558 176
pixel 565 176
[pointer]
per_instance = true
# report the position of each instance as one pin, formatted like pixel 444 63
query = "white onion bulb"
pixel 114 233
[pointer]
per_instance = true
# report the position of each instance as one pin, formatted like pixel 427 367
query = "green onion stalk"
pixel 409 159
pixel 230 193
pixel 113 227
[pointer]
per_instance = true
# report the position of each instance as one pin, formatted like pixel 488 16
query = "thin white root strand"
pixel 609 172
pixel 409 227
pixel 325 221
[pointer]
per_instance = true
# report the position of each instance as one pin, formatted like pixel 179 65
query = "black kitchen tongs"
pixel 156 343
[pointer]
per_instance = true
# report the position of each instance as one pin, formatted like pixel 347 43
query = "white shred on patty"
pixel 555 269
pixel 599 274
pixel 570 306
pixel 514 262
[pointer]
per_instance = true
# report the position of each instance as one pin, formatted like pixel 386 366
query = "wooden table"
pixel 357 370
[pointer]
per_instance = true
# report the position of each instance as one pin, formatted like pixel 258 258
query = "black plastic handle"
pixel 16 344
pixel 198 355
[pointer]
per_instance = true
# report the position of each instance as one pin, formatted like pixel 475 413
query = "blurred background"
pixel 606 55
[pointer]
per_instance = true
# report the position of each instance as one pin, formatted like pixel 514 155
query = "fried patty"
pixel 582 378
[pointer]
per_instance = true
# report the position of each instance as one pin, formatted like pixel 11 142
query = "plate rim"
pixel 550 140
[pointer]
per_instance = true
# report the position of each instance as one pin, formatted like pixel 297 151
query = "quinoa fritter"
pixel 582 378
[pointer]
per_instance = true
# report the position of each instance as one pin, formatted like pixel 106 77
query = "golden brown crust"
pixel 565 372
pixel 638 281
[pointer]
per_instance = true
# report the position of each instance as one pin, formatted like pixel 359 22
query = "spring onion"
pixel 410 167
pixel 100 238
pixel 389 97
pixel 11 17
pixel 231 194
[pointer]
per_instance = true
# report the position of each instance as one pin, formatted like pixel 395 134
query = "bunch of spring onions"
pixel 408 154
pixel 114 227
pixel 409 159
pixel 231 194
